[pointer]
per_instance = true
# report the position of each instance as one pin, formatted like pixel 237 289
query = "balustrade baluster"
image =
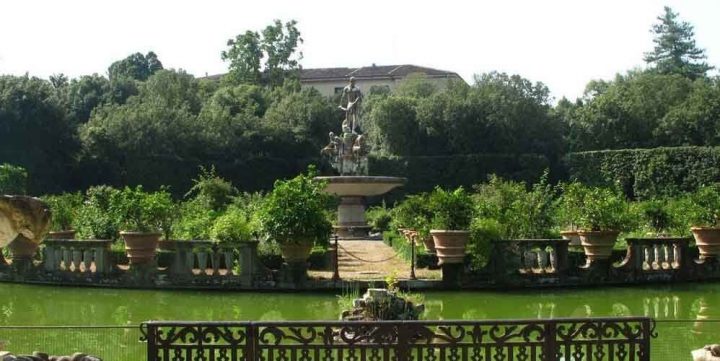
pixel 87 260
pixel 656 255
pixel 229 255
pixel 67 258
pixel 646 265
pixel 541 259
pixel 76 258
pixel 553 259
pixel 677 254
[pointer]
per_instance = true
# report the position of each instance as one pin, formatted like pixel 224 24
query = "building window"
pixel 339 90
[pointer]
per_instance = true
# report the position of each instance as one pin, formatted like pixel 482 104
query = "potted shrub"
pixel 567 211
pixel 452 212
pixel 601 215
pixel 64 208
pixel 142 217
pixel 704 214
pixel 294 216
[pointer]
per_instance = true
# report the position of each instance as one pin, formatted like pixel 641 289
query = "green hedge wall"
pixel 646 173
pixel 425 172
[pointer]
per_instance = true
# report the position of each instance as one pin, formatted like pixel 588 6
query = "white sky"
pixel 561 43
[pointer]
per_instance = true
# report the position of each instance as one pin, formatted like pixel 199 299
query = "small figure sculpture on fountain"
pixel 348 153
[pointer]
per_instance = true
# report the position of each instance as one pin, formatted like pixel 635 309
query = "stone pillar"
pixel 102 257
pixel 452 274
pixel 249 263
pixel 49 261
pixel 351 217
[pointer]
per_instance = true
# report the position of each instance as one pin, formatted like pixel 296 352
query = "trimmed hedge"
pixel 13 179
pixel 647 173
pixel 425 172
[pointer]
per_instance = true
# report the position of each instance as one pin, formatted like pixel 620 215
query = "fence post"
pixel 647 334
pixel 151 347
pixel 550 346
pixel 402 352
pixel 251 342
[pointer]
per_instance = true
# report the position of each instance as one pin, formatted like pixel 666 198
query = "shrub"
pixel 13 179
pixel 144 212
pixel 98 217
pixel 596 209
pixel 647 173
pixel 232 227
pixel 451 210
pixel 519 213
pixel 704 207
pixel 295 210
pixel 379 218
pixel 482 233
pixel 211 190
pixel 653 216
pixel 194 221
pixel 65 208
pixel 413 213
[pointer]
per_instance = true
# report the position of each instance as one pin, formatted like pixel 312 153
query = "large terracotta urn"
pixel 296 252
pixel 572 236
pixel 140 247
pixel 598 245
pixel 707 240
pixel 450 245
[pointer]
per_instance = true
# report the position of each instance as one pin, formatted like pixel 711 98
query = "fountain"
pixel 347 154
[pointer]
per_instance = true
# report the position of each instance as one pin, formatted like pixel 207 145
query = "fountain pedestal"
pixel 352 191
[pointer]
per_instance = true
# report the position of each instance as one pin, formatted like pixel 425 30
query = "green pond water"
pixel 682 311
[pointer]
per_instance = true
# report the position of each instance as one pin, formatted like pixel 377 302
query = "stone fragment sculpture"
pixel 24 216
pixel 380 304
pixel 707 353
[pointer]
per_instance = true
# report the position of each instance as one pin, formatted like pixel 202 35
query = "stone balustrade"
pixel 526 257
pixel 650 258
pixel 91 256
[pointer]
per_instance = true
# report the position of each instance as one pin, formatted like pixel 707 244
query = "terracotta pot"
pixel 296 252
pixel 140 247
pixel 450 245
pixel 707 240
pixel 22 248
pixel 598 245
pixel 68 234
pixel 572 236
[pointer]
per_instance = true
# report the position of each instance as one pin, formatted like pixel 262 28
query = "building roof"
pixel 366 72
pixel 373 71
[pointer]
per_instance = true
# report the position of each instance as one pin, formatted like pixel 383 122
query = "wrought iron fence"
pixel 611 339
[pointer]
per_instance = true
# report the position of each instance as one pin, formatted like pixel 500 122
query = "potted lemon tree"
pixel 64 208
pixel 601 215
pixel 142 217
pixel 452 213
pixel 294 215
pixel 704 214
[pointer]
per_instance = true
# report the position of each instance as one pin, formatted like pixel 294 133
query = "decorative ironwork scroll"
pixel 611 339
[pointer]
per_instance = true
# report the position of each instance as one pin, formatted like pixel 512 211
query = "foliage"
pixel 596 209
pixel 140 211
pixel 275 46
pixel 705 206
pixel 379 218
pixel 654 215
pixel 519 212
pixel 136 66
pixel 98 218
pixel 195 220
pixel 413 213
pixel 232 227
pixel 294 211
pixel 13 179
pixel 64 208
pixel 483 231
pixel 212 191
pixel 675 51
pixel 451 210
pixel 36 133
pixel 647 173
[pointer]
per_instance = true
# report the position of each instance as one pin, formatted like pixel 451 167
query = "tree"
pixel 675 51
pixel 85 94
pixel 136 66
pixel 276 45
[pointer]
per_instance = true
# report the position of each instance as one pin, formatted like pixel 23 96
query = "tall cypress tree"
pixel 675 51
